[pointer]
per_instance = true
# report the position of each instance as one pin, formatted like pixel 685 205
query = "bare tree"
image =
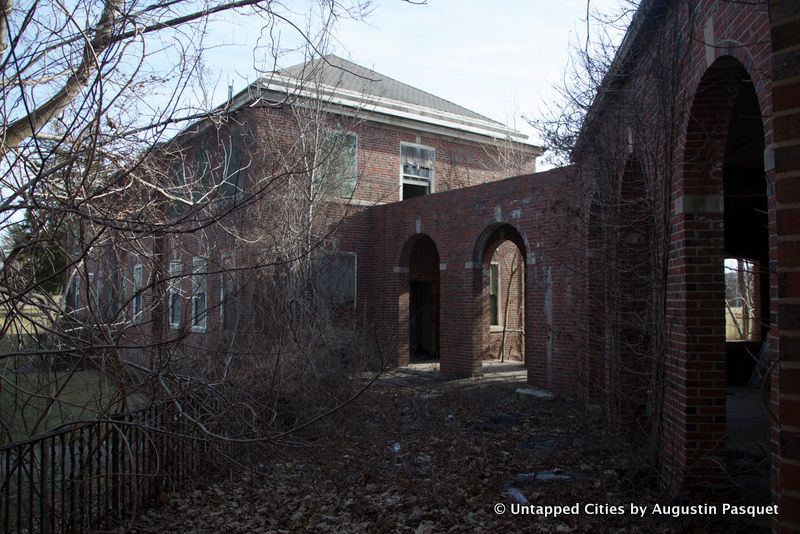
pixel 621 149
pixel 93 93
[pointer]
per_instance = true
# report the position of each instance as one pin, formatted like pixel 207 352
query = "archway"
pixel 502 252
pixel 746 302
pixel 595 368
pixel 423 307
pixel 635 260
pixel 723 211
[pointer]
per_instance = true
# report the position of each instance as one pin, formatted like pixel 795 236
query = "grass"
pixel 27 393
pixel 23 328
pixel 24 397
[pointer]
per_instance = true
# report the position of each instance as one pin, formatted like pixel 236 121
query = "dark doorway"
pixel 424 320
pixel 423 324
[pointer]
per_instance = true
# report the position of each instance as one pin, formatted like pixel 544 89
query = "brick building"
pixel 688 164
pixel 354 139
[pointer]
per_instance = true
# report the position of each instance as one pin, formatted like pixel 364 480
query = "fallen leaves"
pixel 417 460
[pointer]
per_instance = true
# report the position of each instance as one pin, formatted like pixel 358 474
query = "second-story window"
pixel 174 302
pixel 199 295
pixel 338 167
pixel 417 167
pixel 138 296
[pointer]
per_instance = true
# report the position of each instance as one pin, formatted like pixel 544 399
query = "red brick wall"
pixel 785 253
pixel 536 212
pixel 702 50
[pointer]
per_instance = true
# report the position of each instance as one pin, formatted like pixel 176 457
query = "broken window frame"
pixel 412 165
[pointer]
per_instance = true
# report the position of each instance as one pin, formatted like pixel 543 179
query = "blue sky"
pixel 498 58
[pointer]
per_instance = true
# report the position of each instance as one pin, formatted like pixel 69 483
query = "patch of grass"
pixel 22 327
pixel 25 397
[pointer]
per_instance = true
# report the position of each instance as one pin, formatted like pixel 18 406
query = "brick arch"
pixel 632 270
pixel 594 368
pixel 408 246
pixel 695 418
pixel 492 236
pixel 487 243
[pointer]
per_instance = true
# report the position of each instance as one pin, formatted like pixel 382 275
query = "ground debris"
pixel 407 460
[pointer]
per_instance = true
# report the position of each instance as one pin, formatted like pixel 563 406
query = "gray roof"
pixel 337 72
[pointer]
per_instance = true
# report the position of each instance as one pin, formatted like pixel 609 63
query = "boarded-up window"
pixel 336 277
pixel 339 167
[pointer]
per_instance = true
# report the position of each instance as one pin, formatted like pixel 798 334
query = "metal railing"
pixel 94 475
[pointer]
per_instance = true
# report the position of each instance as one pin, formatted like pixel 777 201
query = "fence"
pixel 93 475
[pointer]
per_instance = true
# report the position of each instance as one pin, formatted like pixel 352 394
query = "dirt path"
pixel 415 454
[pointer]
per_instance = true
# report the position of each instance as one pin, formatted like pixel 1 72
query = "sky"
pixel 499 58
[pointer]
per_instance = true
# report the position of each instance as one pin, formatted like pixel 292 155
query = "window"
pixel 233 166
pixel 742 314
pixel 202 173
pixel 138 297
pixel 418 164
pixel 174 304
pixel 177 177
pixel 339 163
pixel 97 287
pixel 74 293
pixel 92 294
pixel 336 277
pixel 494 294
pixel 199 295
pixel 227 303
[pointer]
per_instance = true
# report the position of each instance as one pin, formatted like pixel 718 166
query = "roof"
pixel 348 88
pixel 335 71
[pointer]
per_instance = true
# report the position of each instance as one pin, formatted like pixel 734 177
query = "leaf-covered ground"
pixel 414 454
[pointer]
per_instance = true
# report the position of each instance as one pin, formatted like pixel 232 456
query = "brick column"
pixel 785 259
pixel 695 390
pixel 461 319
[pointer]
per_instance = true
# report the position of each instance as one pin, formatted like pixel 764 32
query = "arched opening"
pixel 636 259
pixel 423 306
pixel 746 301
pixel 724 252
pixel 502 253
pixel 594 371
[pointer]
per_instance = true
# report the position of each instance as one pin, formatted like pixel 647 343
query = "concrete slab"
pixel 530 393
